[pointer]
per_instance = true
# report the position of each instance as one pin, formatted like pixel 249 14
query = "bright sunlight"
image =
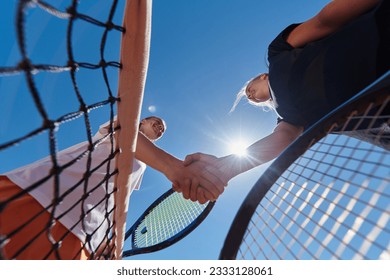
pixel 238 148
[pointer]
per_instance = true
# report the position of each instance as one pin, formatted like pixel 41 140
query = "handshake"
pixel 202 177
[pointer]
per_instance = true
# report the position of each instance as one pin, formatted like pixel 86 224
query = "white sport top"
pixel 94 205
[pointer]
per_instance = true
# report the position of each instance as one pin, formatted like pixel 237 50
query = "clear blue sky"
pixel 201 53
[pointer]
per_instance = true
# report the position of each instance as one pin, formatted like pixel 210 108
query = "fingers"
pixel 205 195
pixel 193 189
pixel 186 189
pixel 213 191
pixel 198 157
pixel 216 175
pixel 196 192
pixel 200 170
pixel 209 179
pixel 201 195
pixel 191 158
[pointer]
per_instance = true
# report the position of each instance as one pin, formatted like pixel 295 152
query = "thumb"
pixel 191 158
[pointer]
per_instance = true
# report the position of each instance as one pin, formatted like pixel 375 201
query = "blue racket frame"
pixel 172 240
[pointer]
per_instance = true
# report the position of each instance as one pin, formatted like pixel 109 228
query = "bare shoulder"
pixel 332 17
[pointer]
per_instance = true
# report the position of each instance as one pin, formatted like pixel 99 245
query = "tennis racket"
pixel 167 220
pixel 327 196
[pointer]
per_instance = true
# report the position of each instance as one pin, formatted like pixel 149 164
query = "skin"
pixel 199 173
pixel 331 18
pixel 257 89
pixel 153 128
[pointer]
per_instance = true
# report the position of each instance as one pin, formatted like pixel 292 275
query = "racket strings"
pixel 331 203
pixel 166 220
pixel 327 196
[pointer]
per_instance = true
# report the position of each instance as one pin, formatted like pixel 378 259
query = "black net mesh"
pixel 87 41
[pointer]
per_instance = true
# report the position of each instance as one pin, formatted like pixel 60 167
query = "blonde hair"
pixel 266 105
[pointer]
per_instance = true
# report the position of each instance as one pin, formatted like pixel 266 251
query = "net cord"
pixel 135 47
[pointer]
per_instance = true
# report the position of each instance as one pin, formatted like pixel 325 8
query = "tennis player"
pixel 83 213
pixel 314 67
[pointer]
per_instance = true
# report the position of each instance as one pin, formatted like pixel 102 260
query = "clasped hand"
pixel 207 181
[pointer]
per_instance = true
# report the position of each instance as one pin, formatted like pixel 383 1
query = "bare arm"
pixel 153 156
pixel 175 170
pixel 262 151
pixel 332 17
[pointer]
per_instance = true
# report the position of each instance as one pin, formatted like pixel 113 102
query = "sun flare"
pixel 238 148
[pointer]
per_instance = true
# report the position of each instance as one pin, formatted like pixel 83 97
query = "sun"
pixel 238 147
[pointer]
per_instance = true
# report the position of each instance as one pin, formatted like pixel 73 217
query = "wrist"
pixel 233 165
pixel 228 166
pixel 170 166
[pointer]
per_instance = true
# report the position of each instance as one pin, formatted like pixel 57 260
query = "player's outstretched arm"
pixel 186 178
pixel 262 151
pixel 332 17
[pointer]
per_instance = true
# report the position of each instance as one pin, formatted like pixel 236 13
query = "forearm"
pixel 262 151
pixel 150 154
pixel 183 178
pixel 257 154
pixel 155 157
pixel 330 19
pixel 227 167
